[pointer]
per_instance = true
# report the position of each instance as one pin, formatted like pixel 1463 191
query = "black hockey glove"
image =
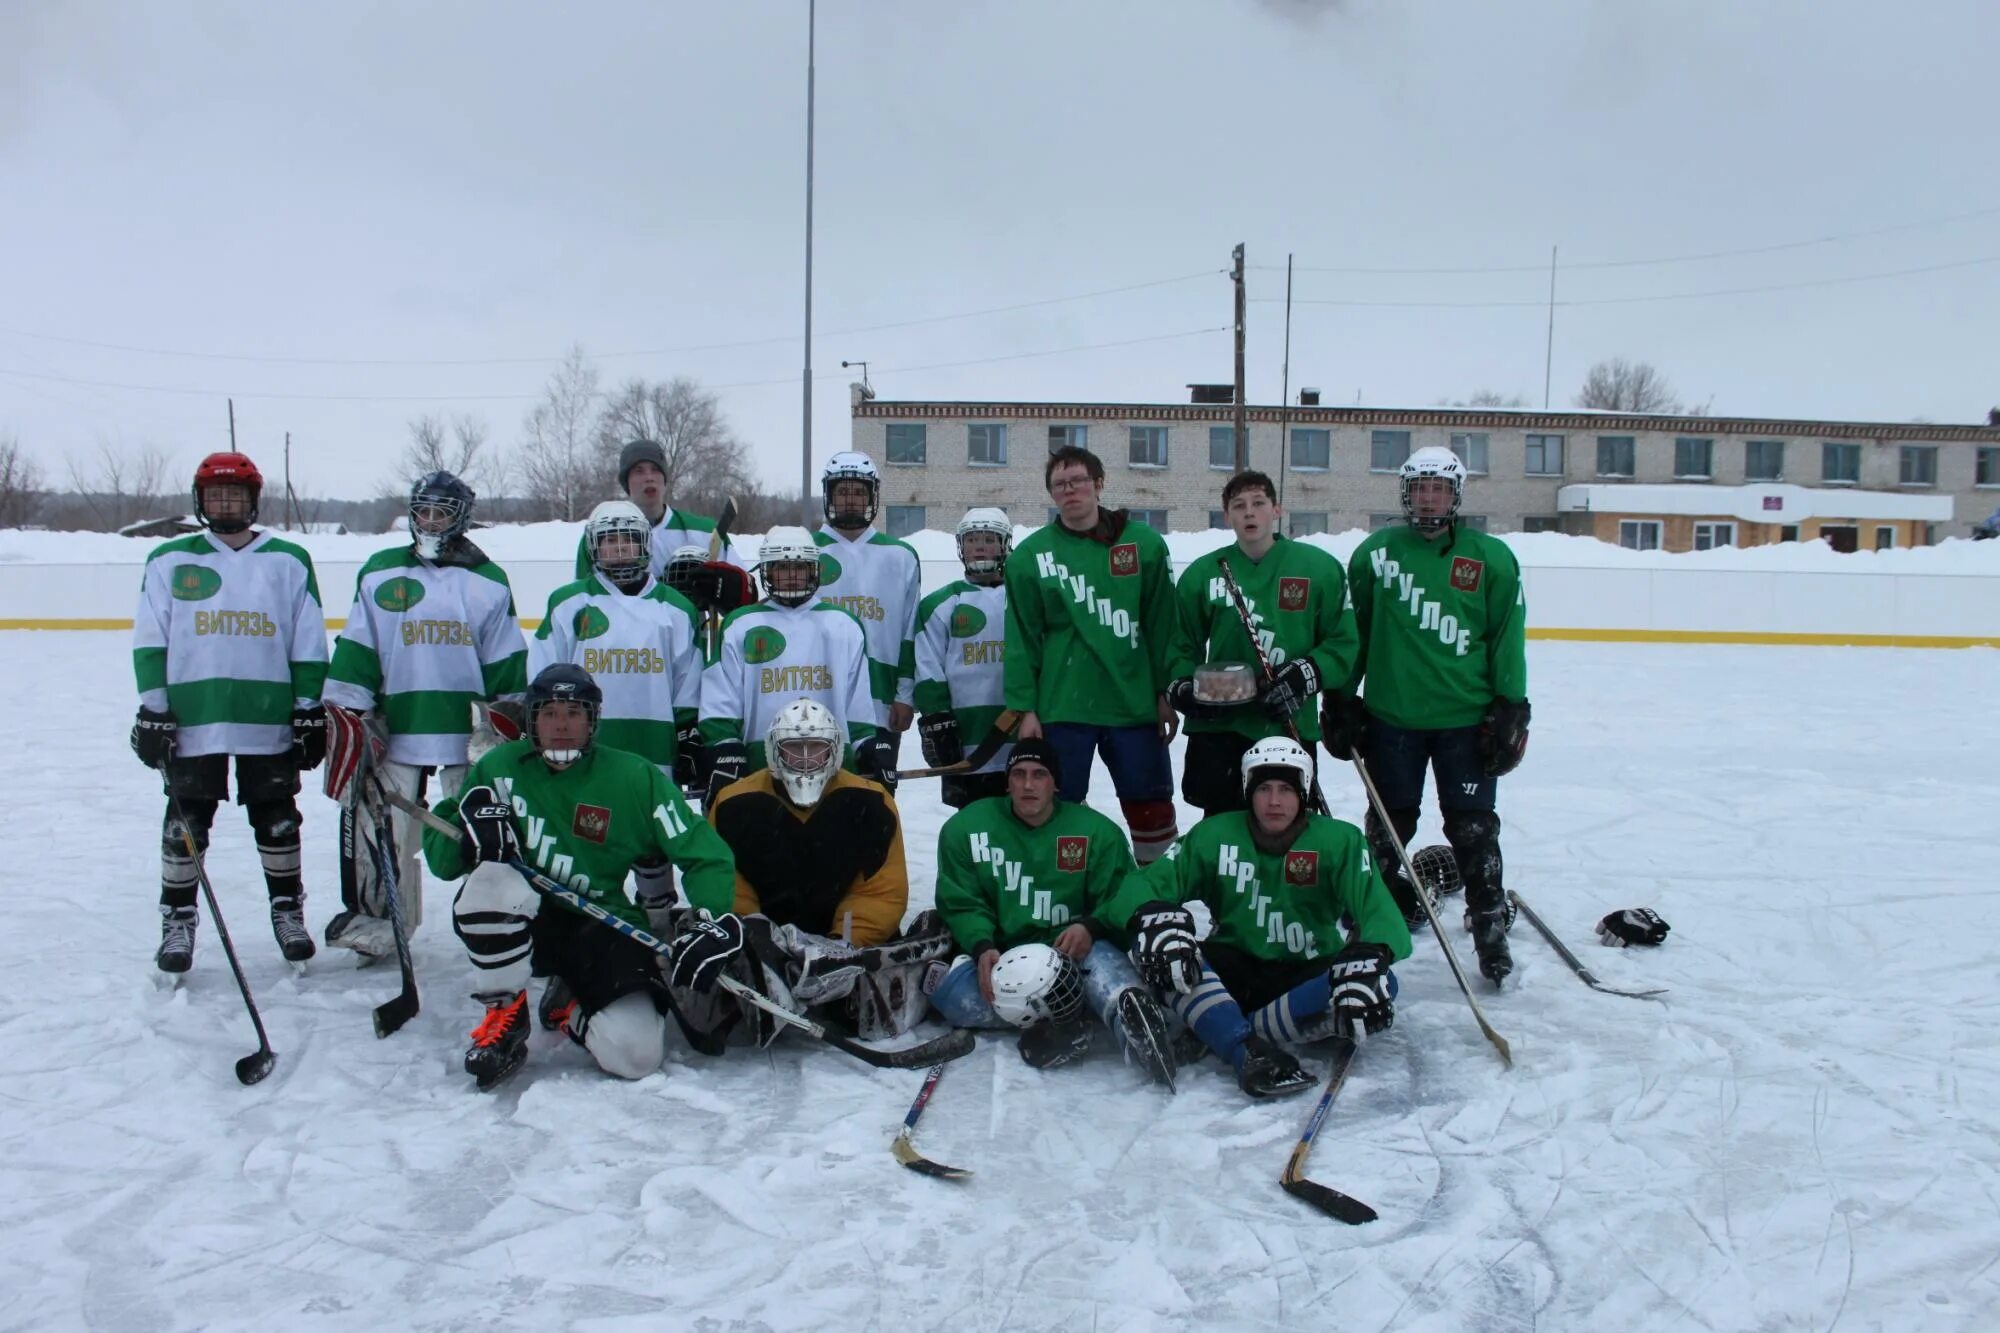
pixel 1360 977
pixel 309 735
pixel 1289 690
pixel 710 585
pixel 873 759
pixel 1503 736
pixel 1163 947
pixel 699 953
pixel 942 747
pixel 1342 721
pixel 727 761
pixel 1633 925
pixel 687 757
pixel 153 737
pixel 1180 698
pixel 489 825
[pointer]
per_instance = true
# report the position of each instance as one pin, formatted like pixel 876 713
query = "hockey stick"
pixel 1341 1207
pixel 1242 605
pixel 253 1067
pixel 1576 964
pixel 1430 912
pixel 906 1152
pixel 357 751
pixel 725 519
pixel 1003 729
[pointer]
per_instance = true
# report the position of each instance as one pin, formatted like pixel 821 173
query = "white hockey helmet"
pixel 1432 461
pixel 803 750
pixel 1277 756
pixel 848 465
pixel 990 520
pixel 1032 983
pixel 789 547
pixel 625 519
pixel 682 564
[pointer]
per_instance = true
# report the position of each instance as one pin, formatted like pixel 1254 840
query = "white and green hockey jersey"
pixel 643 649
pixel 961 652
pixel 423 641
pixel 876 579
pixel 771 655
pixel 229 642
pixel 676 528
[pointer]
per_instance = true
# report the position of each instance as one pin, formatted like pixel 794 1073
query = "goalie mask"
pixel 440 512
pixel 619 540
pixel 563 683
pixel 1032 984
pixel 802 749
pixel 849 466
pixel 789 566
pixel 1429 463
pixel 988 561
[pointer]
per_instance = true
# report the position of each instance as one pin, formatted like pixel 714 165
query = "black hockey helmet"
pixel 440 512
pixel 563 682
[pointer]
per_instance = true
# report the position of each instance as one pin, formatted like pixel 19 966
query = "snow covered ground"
pixel 1804 1134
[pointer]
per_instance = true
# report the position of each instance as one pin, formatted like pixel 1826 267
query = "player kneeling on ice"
pixel 583 814
pixel 1276 967
pixel 1020 882
pixel 821 885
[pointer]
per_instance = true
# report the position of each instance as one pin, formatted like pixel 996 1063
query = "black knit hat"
pixel 1040 752
pixel 637 452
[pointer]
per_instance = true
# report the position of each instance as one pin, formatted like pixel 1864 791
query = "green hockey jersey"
pixel 1001 883
pixel 1089 622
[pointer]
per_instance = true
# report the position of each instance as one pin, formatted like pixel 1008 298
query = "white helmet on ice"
pixel 849 466
pixel 1032 983
pixel 992 521
pixel 1432 461
pixel 802 749
pixel 630 559
pixel 789 566
pixel 1277 757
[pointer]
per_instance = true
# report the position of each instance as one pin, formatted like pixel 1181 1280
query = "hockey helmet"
pixel 440 512
pixel 803 750
pixel 1032 983
pixel 987 520
pixel 1277 757
pixel 1432 461
pixel 619 518
pixel 792 551
pixel 227 468
pixel 562 682
pixel 849 466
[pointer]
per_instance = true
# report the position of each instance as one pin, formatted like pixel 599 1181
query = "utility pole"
pixel 1285 393
pixel 1242 414
pixel 232 424
pixel 806 434
pixel 1549 351
pixel 291 499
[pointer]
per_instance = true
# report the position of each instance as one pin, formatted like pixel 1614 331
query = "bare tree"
pixel 558 462
pixel 124 487
pixel 20 485
pixel 1485 398
pixel 1619 385
pixel 457 446
pixel 703 458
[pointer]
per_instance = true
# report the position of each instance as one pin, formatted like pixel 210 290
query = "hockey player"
pixel 230 653
pixel 1444 658
pixel 723 584
pixel 1033 868
pixel 583 814
pixel 432 629
pixel 876 577
pixel 961 645
pixel 1090 614
pixel 1297 595
pixel 789 645
pixel 1277 966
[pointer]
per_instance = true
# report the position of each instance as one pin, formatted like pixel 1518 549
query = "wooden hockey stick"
pixel 1242 605
pixel 1342 1207
pixel 906 1151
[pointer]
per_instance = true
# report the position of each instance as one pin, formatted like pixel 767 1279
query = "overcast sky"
pixel 271 190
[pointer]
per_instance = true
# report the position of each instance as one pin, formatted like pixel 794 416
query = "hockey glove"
pixel 1503 736
pixel 710 585
pixel 1633 925
pixel 1163 947
pixel 309 735
pixel 942 748
pixel 153 737
pixel 687 757
pixel 698 954
pixel 1289 690
pixel 1360 977
pixel 489 825
pixel 727 761
pixel 873 758
pixel 1181 698
pixel 1342 721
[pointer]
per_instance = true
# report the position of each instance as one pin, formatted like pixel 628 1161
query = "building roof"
pixel 1764 502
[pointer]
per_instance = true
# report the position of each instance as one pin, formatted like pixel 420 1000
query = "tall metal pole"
pixel 1285 398
pixel 1549 352
pixel 806 382
pixel 1242 422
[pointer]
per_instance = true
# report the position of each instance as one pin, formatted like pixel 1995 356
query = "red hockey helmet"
pixel 227 469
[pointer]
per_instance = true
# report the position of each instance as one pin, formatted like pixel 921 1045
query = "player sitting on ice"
pixel 820 884
pixel 961 651
pixel 1020 881
pixel 583 814
pixel 1276 966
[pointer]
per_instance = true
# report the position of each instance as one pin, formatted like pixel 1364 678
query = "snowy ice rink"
pixel 1804 1134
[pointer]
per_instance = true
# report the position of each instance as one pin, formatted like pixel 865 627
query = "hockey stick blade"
pixel 1341 1207
pixel 1002 730
pixel 906 1151
pixel 938 1050
pixel 1576 964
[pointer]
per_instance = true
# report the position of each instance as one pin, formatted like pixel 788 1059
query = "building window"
pixel 1156 519
pixel 1312 449
pixel 905 519
pixel 1218 520
pixel 1708 536
pixel 1470 446
pixel 1149 446
pixel 1068 437
pixel 986 444
pixel 1885 539
pixel 1308 523
pixel 1614 455
pixel 1545 456
pixel 1919 465
pixel 1694 458
pixel 1788 532
pixel 1387 449
pixel 1541 523
pixel 906 441
pixel 1376 522
pixel 1763 460
pixel 1986 468
pixel 1639 534
pixel 1222 447
pixel 1476 522
pixel 1840 463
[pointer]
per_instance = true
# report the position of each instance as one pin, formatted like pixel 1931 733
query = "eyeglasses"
pixel 1069 484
